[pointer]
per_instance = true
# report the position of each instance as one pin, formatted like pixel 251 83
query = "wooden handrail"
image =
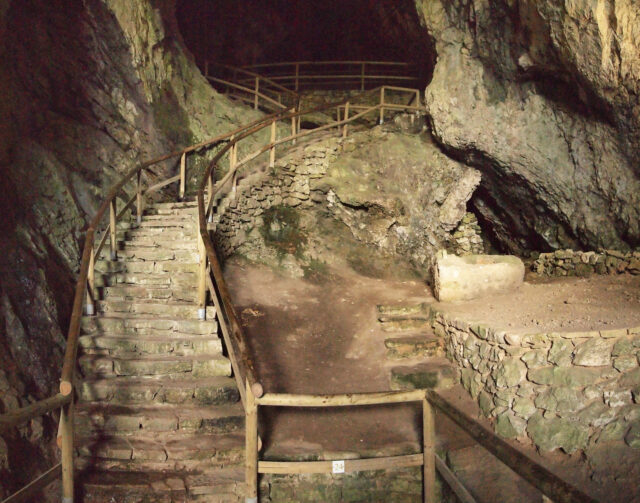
pixel 279 87
pixel 16 417
pixel 28 492
pixel 537 475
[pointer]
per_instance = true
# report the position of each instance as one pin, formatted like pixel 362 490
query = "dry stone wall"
pixel 579 263
pixel 380 200
pixel 562 390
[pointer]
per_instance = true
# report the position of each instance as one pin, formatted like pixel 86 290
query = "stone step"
pixel 118 344
pixel 121 293
pixel 414 346
pixel 174 205
pixel 175 222
pixel 437 373
pixel 118 420
pixel 133 364
pixel 162 210
pixel 177 280
pixel 158 326
pixel 155 233
pixel 146 390
pixel 216 486
pixel 168 451
pixel 402 309
pixel 184 310
pixel 147 254
pixel 145 267
pixel 411 322
pixel 175 215
pixel 159 242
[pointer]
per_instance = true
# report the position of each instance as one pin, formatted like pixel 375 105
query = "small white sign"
pixel 338 466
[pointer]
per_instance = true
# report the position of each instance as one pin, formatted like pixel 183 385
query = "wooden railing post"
pixel 362 77
pixel 297 83
pixel 417 97
pixel 255 96
pixel 66 437
pixel 183 175
pixel 272 150
pixel 202 279
pixel 112 229
pixel 139 207
pixel 251 455
pixel 90 307
pixel 293 125
pixel 429 452
pixel 381 104
pixel 206 68
pixel 346 117
pixel 210 191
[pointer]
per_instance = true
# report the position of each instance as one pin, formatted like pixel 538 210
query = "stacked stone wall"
pixel 562 390
pixel 579 263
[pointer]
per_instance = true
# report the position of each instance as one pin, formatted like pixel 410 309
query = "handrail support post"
pixel 255 96
pixel 251 439
pixel 272 150
pixel 429 452
pixel 202 279
pixel 183 175
pixel 66 433
pixel 346 117
pixel 90 307
pixel 112 229
pixel 382 105
pixel 139 198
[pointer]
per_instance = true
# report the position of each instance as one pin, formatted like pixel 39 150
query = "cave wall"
pixel 543 98
pixel 89 88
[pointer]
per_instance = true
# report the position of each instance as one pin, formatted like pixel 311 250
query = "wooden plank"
pixel 342 400
pixel 350 465
pixel 28 492
pixel 454 483
pixel 429 452
pixel 16 417
pixel 537 475
pixel 251 438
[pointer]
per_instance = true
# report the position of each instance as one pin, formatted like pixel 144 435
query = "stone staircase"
pixel 413 342
pixel 159 417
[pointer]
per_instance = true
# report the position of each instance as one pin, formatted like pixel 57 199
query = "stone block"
pixel 564 376
pixel 509 425
pixel 595 352
pixel 509 372
pixel 557 433
pixel 472 276
pixel 561 352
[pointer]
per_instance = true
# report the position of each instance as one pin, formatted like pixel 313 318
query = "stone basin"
pixel 472 276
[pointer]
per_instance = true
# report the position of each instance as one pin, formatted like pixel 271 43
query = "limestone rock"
pixel 595 352
pixel 557 433
pixel 469 277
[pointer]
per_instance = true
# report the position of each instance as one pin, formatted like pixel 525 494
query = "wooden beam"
pixel 183 174
pixel 16 417
pixel 66 435
pixel 454 483
pixel 251 437
pixel 290 400
pixel 537 475
pixel 429 452
pixel 350 465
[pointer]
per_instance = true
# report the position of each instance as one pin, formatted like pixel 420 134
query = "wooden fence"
pixel 211 282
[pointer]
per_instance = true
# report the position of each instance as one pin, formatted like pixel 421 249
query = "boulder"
pixel 472 276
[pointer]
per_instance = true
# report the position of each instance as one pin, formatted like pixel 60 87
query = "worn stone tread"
pixel 124 323
pixel 164 447
pixel 128 420
pixel 436 373
pixel 200 365
pixel 151 344
pixel 213 390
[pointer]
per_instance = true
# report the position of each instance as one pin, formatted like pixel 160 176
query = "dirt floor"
pixel 323 337
pixel 558 305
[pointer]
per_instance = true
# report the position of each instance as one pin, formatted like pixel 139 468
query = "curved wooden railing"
pixel 211 280
pixel 305 75
pixel 252 391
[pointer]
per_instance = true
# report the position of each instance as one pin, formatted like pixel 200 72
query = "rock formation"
pixel 89 88
pixel 543 98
